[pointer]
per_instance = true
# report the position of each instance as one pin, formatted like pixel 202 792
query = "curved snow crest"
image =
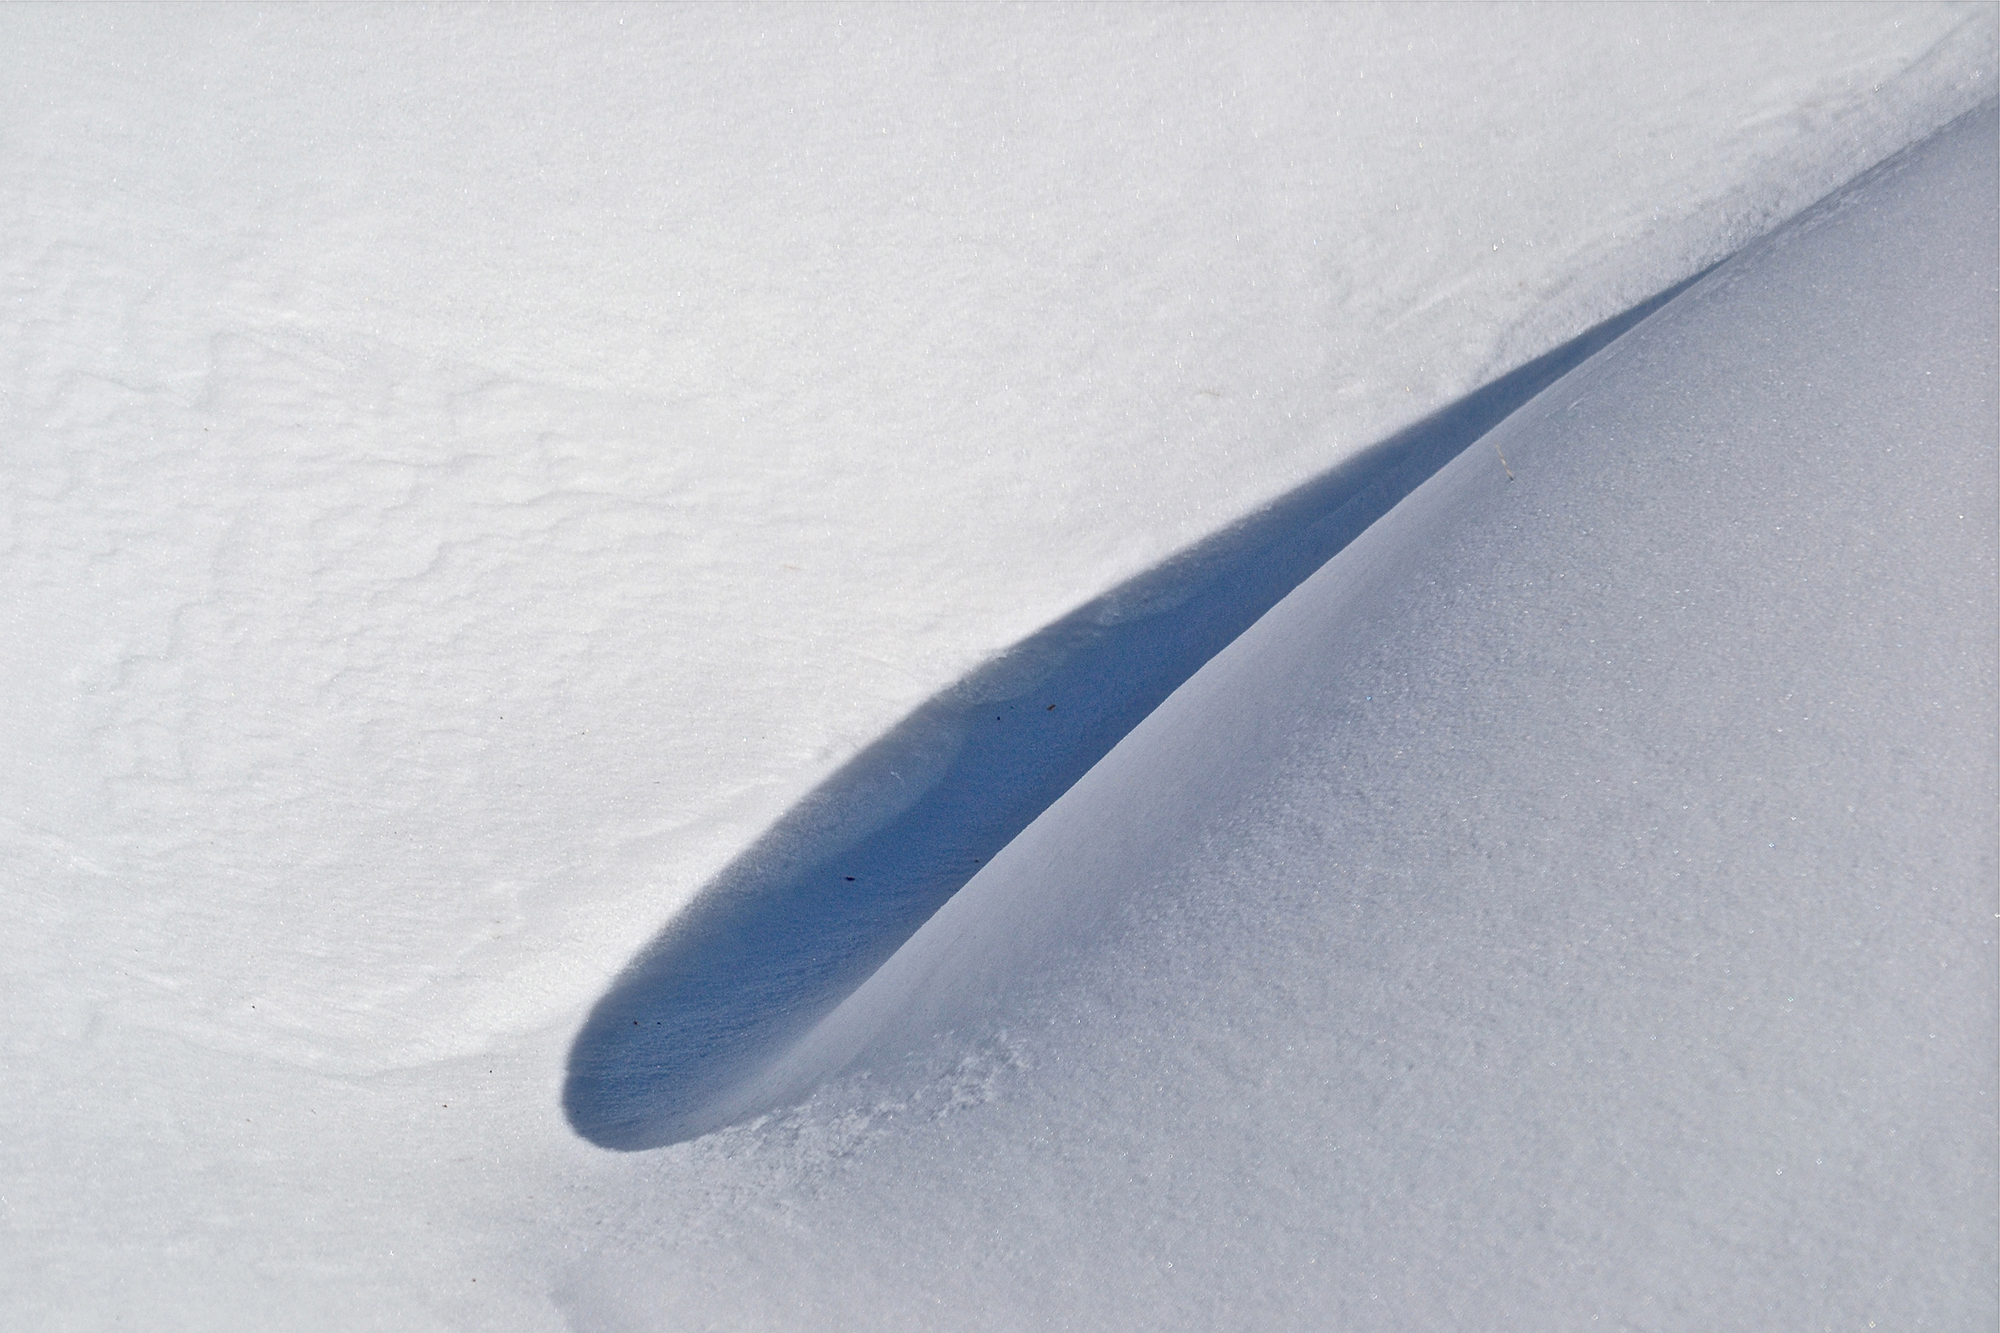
pixel 803 917
pixel 1608 851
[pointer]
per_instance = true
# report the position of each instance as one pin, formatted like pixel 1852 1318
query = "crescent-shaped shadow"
pixel 797 922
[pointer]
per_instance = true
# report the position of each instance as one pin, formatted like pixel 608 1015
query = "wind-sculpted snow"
pixel 483 489
pixel 803 917
pixel 1574 902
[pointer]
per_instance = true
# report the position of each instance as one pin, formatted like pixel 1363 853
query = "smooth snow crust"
pixel 1576 902
pixel 469 472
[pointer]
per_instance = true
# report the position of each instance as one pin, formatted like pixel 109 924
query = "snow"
pixel 471 474
pixel 1576 901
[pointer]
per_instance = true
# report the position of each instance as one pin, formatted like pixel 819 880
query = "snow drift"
pixel 804 915
pixel 470 472
pixel 1575 901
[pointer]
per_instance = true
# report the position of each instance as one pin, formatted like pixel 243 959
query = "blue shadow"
pixel 798 921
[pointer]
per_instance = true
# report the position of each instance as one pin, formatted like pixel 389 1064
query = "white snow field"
pixel 1576 902
pixel 499 504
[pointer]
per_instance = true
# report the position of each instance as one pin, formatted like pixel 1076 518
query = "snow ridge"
pixel 1575 901
pixel 822 900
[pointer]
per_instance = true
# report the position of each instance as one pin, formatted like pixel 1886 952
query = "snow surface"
pixel 471 473
pixel 1575 902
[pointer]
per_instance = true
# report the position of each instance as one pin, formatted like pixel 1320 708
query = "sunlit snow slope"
pixel 467 474
pixel 1575 903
